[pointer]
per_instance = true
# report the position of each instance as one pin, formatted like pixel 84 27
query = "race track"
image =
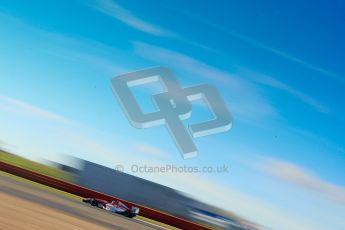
pixel 26 206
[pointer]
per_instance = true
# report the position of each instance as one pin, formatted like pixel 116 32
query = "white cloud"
pixel 272 82
pixel 297 60
pixel 259 44
pixel 112 9
pixel 152 151
pixel 245 100
pixel 300 177
pixel 96 54
pixel 106 65
pixel 185 63
pixel 14 105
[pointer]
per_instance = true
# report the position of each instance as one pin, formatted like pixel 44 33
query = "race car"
pixel 115 206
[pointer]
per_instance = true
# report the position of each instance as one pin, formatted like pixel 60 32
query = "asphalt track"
pixel 31 205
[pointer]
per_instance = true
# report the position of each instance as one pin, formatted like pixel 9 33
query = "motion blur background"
pixel 279 66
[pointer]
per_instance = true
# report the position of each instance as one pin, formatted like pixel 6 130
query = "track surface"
pixel 25 206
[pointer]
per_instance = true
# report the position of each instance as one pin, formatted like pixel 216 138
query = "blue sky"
pixel 278 66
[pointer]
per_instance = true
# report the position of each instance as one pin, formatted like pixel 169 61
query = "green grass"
pixel 35 166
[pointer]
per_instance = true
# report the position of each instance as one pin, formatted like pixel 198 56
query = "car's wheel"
pixel 131 215
pixel 128 214
pixel 94 203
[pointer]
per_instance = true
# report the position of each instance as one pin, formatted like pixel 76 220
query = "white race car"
pixel 115 206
